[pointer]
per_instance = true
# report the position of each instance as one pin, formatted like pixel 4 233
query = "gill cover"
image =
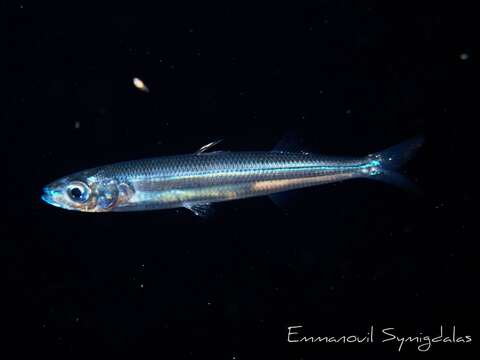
pixel 107 194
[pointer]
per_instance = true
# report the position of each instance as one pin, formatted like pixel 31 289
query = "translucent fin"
pixel 398 180
pixel 396 156
pixel 392 159
pixel 202 210
pixel 290 142
pixel 207 147
pixel 282 200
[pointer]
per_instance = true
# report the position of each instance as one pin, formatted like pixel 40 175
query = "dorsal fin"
pixel 207 147
pixel 290 142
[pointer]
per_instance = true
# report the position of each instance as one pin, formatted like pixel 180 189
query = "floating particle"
pixel 464 56
pixel 140 85
pixel 77 124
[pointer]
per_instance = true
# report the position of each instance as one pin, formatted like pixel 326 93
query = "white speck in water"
pixel 140 85
pixel 464 56
pixel 77 125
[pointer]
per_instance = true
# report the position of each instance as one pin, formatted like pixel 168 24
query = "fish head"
pixel 84 192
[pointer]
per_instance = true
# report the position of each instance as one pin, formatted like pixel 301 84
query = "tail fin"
pixel 392 159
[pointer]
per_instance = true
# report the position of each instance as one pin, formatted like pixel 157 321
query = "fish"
pixel 197 180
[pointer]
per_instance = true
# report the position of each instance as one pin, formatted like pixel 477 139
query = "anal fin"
pixel 286 200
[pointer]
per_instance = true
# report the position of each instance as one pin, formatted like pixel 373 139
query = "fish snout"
pixel 50 196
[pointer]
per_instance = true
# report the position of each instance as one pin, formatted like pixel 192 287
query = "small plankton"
pixel 140 85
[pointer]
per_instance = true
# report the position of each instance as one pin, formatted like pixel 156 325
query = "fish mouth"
pixel 48 196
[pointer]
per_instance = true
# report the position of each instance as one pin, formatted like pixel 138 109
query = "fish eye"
pixel 78 191
pixel 75 193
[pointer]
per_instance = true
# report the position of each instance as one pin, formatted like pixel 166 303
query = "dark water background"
pixel 352 77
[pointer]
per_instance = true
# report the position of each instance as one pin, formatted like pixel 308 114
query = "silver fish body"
pixel 195 180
